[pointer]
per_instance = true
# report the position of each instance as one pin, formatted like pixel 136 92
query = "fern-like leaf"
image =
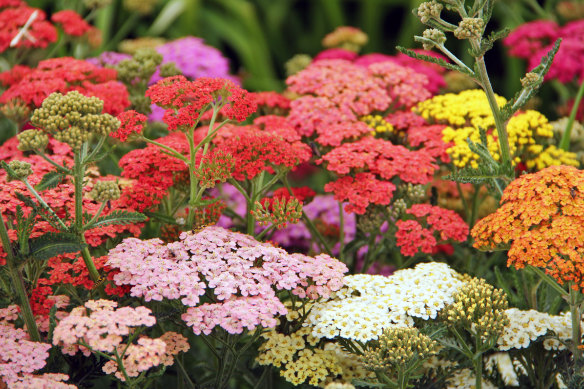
pixel 117 217
pixel 50 181
pixel 52 244
pixel 40 210
pixel 438 61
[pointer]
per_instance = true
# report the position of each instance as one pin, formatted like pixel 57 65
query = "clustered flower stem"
pixel 566 136
pixel 576 311
pixel 18 284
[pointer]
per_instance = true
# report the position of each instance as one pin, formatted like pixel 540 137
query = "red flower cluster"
pixel 402 120
pixel 209 213
pixel 186 100
pixel 533 40
pixel 154 171
pixel 383 158
pixel 72 23
pixel 131 121
pixel 429 140
pixel 304 194
pixel 63 75
pixel 440 225
pixel 271 103
pixel 278 211
pixel 278 125
pixel 361 191
pixel 216 167
pixel 13 17
pixel 60 198
pixel 254 150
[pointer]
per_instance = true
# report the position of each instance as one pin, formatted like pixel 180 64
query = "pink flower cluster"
pixel 533 40
pixel 440 225
pixel 99 326
pixel 239 276
pixel 20 357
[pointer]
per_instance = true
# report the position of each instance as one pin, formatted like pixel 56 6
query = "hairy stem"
pixel 566 136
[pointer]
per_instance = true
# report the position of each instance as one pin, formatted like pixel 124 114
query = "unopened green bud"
pixel 140 67
pixel 96 4
pixel 436 36
pixel 20 170
pixel 143 7
pixel 429 10
pixel 29 140
pixel 16 110
pixel 469 28
pixel 169 69
pixel 530 79
pixel 105 190
pixel 297 63
pixel 398 208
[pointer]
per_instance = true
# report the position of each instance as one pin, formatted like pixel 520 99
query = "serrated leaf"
pixel 438 61
pixel 366 384
pixel 117 217
pixel 52 244
pixel 41 211
pixel 50 180
pixel 161 217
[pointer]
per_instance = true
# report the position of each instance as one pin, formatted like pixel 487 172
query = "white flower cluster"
pixel 526 326
pixel 506 367
pixel 465 379
pixel 368 303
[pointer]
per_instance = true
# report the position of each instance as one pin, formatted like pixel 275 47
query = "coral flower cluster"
pixel 540 220
pixel 226 279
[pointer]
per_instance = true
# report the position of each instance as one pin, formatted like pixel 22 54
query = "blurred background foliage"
pixel 261 35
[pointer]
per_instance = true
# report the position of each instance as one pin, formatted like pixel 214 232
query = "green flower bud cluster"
pixel 73 118
pixel 470 28
pixel 105 190
pixel 169 69
pixel 480 307
pixel 29 140
pixel 436 36
pixel 131 46
pixel 371 220
pixel 279 211
pixel 429 10
pixel 140 68
pixel 20 169
pixel 16 110
pixel 397 209
pixel 297 63
pixel 529 79
pixel 96 4
pixel 398 347
pixel 412 193
pixel 143 7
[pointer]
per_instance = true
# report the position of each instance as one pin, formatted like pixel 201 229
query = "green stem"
pixel 184 373
pixel 453 57
pixel 402 379
pixel 18 283
pixel 576 311
pixel 265 232
pixel 549 280
pixel 94 218
pixel 475 206
pixel 501 130
pixel 55 164
pixel 566 136
pixel 170 150
pixel 44 204
pixel 313 230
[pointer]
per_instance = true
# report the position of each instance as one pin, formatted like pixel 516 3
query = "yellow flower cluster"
pixel 378 124
pixel 468 111
pixel 297 361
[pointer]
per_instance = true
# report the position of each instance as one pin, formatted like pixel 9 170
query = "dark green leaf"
pixel 435 60
pixel 117 217
pixel 161 217
pixel 52 244
pixel 40 210
pixel 367 384
pixel 50 180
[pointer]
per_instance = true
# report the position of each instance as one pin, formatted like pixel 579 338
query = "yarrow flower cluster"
pixel 33 86
pixel 540 219
pixel 14 15
pixel 468 111
pixel 184 100
pixel 368 304
pixel 130 122
pixel 100 326
pixel 441 225
pixel 241 273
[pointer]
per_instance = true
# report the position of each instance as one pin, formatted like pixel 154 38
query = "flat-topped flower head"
pixel 541 220
pixel 241 273
pixel 186 100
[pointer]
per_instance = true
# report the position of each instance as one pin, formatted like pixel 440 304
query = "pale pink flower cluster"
pixel 99 325
pixel 137 358
pixel 405 86
pixel 175 343
pixel 240 275
pixel 20 357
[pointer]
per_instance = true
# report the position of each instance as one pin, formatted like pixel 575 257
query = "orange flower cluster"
pixel 541 219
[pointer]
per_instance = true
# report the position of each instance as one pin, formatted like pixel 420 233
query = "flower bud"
pixel 530 79
pixel 20 169
pixel 29 140
pixel 105 190
pixel 429 10
pixel 436 36
pixel 469 28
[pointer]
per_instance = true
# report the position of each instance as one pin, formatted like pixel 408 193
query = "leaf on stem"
pixel 117 217
pixel 438 61
pixel 50 181
pixel 52 244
